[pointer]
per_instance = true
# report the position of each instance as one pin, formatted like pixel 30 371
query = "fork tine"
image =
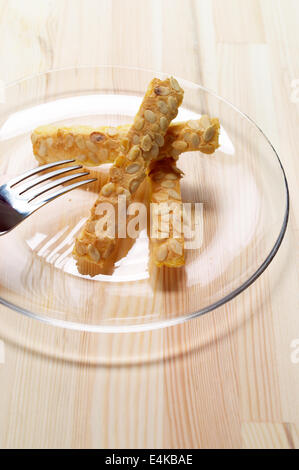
pixel 66 189
pixel 36 170
pixel 25 187
pixel 54 184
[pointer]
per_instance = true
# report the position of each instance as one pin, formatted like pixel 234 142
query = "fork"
pixel 18 202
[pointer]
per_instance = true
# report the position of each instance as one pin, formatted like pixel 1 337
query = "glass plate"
pixel 242 189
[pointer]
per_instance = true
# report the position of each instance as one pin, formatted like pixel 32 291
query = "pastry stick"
pixel 200 134
pixel 51 143
pixel 90 146
pixel 93 146
pixel 166 236
pixel 159 106
pixel 167 246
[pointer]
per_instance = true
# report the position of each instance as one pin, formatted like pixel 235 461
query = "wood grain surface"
pixel 229 379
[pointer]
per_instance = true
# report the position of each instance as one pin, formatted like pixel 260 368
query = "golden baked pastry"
pixel 166 237
pixel 92 146
pixel 159 106
pixel 164 180
pixel 150 147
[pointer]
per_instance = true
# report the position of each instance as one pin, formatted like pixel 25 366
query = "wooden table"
pixel 231 378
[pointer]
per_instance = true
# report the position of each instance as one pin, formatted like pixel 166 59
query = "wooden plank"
pixel 267 436
pixel 225 380
pixel 238 21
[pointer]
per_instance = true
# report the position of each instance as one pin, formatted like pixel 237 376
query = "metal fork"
pixel 17 203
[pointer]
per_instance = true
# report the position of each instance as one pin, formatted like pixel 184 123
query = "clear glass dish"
pixel 242 186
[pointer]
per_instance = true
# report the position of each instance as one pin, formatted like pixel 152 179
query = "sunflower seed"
pixel 187 137
pixel 171 176
pixel 163 123
pixel 146 143
pixel 154 151
pixel 160 197
pixel 139 122
pixel 112 131
pixel 42 149
pixel 90 227
pixel 158 176
pixel 162 107
pixel 93 253
pixel 49 142
pixel 134 186
pixel 34 138
pixel 194 125
pixel 195 141
pixel 159 139
pixel 172 103
pixel 134 153
pixel 174 84
pixel 80 142
pixel 162 252
pixel 108 251
pixel 174 194
pixel 162 90
pixel 124 144
pixel 150 116
pixel 97 137
pixel 209 133
pixel 69 141
pixel 81 249
pixel 108 189
pixel 204 121
pixel 136 139
pixel 179 145
pixel 168 184
pixel 133 168
pixel 175 246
